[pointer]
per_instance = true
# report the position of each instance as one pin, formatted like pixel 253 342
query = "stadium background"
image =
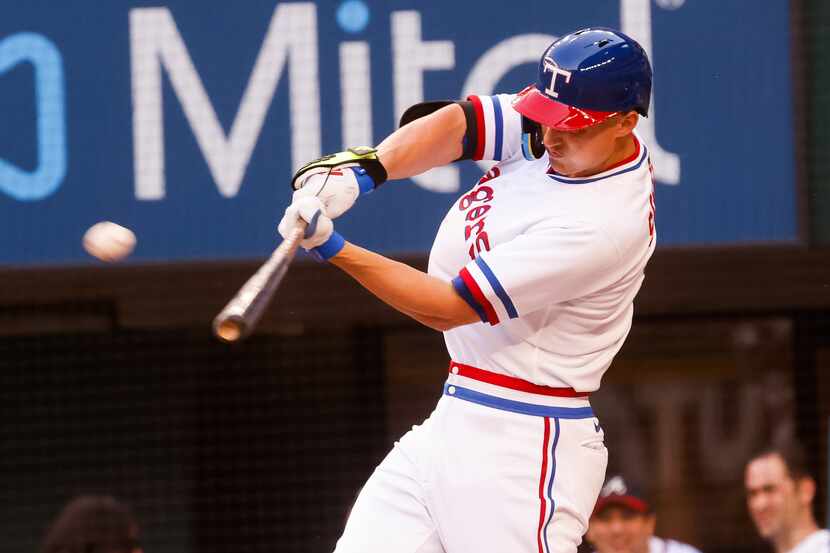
pixel 111 381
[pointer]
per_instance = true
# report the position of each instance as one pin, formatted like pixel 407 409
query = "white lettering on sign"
pixel 290 46
pixel 412 57
pixel 356 94
pixel 155 42
pixel 635 16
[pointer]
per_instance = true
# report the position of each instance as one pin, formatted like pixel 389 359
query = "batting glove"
pixel 320 239
pixel 337 187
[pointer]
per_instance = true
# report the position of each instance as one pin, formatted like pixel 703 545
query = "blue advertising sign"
pixel 184 120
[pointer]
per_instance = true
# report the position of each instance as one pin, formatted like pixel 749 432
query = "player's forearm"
pixel 425 143
pixel 427 299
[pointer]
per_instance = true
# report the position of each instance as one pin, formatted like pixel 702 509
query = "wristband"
pixel 364 180
pixel 329 248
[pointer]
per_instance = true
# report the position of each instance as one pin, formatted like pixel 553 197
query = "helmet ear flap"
pixel 532 146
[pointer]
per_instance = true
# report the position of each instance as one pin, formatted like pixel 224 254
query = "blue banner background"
pixel 723 97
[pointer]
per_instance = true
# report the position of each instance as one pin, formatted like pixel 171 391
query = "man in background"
pixel 93 524
pixel 779 496
pixel 623 522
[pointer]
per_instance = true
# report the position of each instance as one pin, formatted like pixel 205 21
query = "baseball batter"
pixel 531 278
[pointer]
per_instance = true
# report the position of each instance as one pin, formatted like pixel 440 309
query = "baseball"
pixel 109 241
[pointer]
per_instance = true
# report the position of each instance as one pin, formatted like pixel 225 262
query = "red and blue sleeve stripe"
pixel 465 294
pixel 470 292
pixel 499 127
pixel 497 288
pixel 490 127
pixel 479 153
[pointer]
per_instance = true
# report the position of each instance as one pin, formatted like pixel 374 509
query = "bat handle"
pixel 238 318
pixel 292 242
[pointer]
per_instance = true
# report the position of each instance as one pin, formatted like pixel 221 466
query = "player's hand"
pixel 338 179
pixel 337 187
pixel 320 238
pixel 309 209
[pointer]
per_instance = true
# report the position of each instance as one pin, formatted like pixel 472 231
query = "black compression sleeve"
pixel 471 135
pixel 470 141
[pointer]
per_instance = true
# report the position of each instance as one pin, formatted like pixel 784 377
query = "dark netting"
pixel 265 445
pixel 684 406
pixel 217 449
pixel 814 28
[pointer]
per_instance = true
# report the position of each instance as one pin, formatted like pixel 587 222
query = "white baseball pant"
pixel 501 465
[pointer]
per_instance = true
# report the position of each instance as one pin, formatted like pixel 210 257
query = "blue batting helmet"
pixel 586 77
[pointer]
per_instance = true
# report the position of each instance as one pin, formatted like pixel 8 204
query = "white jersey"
pixel 550 263
pixel 659 545
pixel 817 542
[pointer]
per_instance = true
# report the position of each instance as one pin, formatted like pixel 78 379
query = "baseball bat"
pixel 239 317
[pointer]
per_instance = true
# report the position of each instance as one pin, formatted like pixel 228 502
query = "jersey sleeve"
pixel 546 265
pixel 499 128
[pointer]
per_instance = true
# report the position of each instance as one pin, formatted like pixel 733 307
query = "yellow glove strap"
pixel 364 156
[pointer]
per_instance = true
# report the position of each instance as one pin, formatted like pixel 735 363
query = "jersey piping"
pixel 643 151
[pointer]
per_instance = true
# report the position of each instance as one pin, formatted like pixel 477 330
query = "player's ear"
pixel 627 122
pixel 651 522
pixel 806 489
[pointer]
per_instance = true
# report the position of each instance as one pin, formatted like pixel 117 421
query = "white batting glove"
pixel 337 187
pixel 320 238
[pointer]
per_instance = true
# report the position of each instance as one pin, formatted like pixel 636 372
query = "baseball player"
pixel 779 495
pixel 623 522
pixel 531 279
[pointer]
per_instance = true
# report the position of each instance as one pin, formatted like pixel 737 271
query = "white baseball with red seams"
pixel 512 459
pixel 109 241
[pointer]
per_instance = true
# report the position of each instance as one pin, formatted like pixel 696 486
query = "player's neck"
pixel 788 540
pixel 643 547
pixel 624 148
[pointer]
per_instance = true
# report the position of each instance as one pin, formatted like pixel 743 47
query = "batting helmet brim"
pixel 538 107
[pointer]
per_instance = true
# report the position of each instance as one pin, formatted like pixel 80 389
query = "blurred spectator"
pixel 623 522
pixel 93 524
pixel 779 496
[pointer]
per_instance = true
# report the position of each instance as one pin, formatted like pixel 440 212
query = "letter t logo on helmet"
pixel 551 66
pixel 586 77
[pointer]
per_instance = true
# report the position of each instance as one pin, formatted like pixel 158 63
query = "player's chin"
pixel 557 162
pixel 765 528
pixel 562 167
pixel 619 548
